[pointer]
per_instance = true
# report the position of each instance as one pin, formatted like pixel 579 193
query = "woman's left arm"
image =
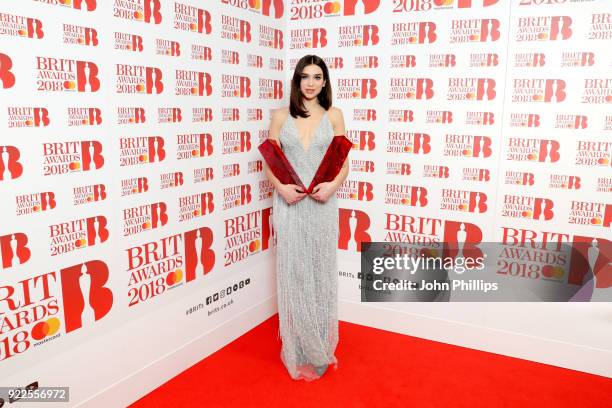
pixel 324 191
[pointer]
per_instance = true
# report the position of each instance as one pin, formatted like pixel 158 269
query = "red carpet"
pixel 376 368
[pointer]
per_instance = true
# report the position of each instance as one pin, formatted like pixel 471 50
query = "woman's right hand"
pixel 291 193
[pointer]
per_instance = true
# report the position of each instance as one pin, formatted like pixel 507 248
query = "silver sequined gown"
pixel 306 265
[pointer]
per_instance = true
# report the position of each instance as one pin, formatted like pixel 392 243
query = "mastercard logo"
pixel 146 225
pixel 138 15
pixel 531 156
pixel 331 7
pixel 255 4
pixel 596 221
pixel 254 245
pixel 69 85
pixel 174 277
pixel 470 96
pixel 410 95
pixel 307 44
pixel 462 207
pixel 45 329
pixel 412 39
pixel 357 41
pixel 22 32
pixel 196 213
pixel 193 26
pixel 80 243
pixel 355 94
pixel 140 87
pixel 405 201
pixel 408 149
pixel 466 152
pixel 195 153
pixel 538 98
pixel 143 158
pixel 555 272
pixel 74 166
pixel 527 214
pixel 603 160
pixel 194 90
pixel 542 36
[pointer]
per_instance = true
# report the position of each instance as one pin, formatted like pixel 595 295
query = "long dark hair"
pixel 296 104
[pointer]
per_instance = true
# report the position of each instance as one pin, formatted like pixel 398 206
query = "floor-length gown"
pixel 306 264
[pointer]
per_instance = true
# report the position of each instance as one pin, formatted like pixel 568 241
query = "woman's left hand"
pixel 323 191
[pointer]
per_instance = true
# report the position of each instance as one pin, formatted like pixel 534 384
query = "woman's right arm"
pixel 287 191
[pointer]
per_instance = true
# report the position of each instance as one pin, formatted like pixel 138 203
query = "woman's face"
pixel 312 81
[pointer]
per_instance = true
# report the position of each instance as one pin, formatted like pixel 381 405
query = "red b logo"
pixel 10 168
pixel 14 250
pixel 6 76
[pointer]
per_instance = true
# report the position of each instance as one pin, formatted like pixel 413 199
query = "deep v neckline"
pixel 314 134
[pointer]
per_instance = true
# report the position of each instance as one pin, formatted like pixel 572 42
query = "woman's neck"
pixel 311 105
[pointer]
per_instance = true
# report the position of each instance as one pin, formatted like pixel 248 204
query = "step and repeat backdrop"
pixel 130 181
pixel 473 121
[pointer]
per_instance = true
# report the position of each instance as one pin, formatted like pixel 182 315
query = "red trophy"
pixel 330 166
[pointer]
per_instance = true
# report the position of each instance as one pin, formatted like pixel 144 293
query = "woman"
pixel 306 225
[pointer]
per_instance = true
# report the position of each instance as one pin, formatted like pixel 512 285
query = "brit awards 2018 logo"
pixel 356 190
pixel 88 5
pixel 201 52
pixel 442 60
pixel 364 115
pixel 467 146
pixel 7 77
pixel 132 79
pixel 600 28
pixel 462 200
pixel 196 205
pixel 534 150
pixel 33 203
pixel 148 11
pixel 528 120
pixel 436 171
pixel 19 26
pixel 476 174
pixel 231 170
pixel 604 185
pixel 401 115
pixel 135 185
pixel 189 18
pixel 332 62
pixel 407 142
pixel 193 83
pixel 270 37
pixel 591 153
pixel 529 60
pixel 270 88
pixel 74 34
pixel 362 139
pixel 368 61
pixel 577 59
pixel 480 118
pixel 519 178
pixel 562 181
pixel 167 47
pixel 233 28
pixel 356 88
pixel 170 180
pixel 77 234
pixel 577 122
pixel 143 218
pixel 131 115
pixel 10 167
pixel 236 196
pixel 439 117
pixel 128 42
pixel 402 194
pixel 254 114
pixel 322 8
pixel 34 305
pixel 484 60
pixel 308 38
pixel 474 30
pixel 230 57
pixel 235 86
pixel 403 6
pixel 199 115
pixel 193 146
pixel 88 194
pixel 230 114
pixel 257 61
pixel 471 89
pixel 69 157
pixel 84 116
pixel 358 35
pixel 364 166
pixel 597 91
pixel 140 150
pixel 411 88
pixel 67 75
pixel 397 168
pixel 538 90
pixel 14 249
pixel 266 190
pixel 169 115
pixel 422 32
pixel 236 142
pixel 203 174
pixel 535 208
pixel 254 166
pixel 23 116
pixel 247 235
pixel 543 28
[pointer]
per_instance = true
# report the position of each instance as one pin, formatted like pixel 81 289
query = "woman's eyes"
pixel 304 77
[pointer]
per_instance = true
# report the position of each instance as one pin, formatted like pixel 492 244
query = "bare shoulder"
pixel 280 114
pixel 336 117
